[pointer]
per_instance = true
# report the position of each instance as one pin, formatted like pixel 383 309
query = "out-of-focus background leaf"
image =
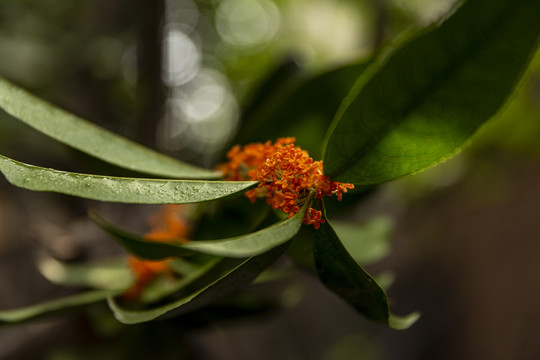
pixel 465 243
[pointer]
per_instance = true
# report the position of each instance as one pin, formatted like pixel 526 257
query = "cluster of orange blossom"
pixel 286 176
pixel 167 225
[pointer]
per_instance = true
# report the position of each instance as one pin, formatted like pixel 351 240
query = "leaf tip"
pixel 403 322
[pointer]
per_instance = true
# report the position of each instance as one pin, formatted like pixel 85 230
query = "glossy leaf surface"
pixel 239 273
pixel 92 139
pixel 420 103
pixel 341 274
pixel 238 247
pixel 118 189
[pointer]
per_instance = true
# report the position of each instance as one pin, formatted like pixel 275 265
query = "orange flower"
pixel 144 271
pixel 286 175
pixel 167 225
pixel 244 161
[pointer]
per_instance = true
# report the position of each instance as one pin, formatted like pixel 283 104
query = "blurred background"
pixel 184 77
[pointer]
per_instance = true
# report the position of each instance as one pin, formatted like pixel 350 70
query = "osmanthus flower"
pixel 169 224
pixel 286 176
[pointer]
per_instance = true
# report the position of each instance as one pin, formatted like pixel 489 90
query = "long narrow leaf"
pixel 236 276
pixel 103 274
pixel 189 276
pixel 419 104
pixel 92 139
pixel 52 307
pixel 237 247
pixel 118 189
pixel 341 274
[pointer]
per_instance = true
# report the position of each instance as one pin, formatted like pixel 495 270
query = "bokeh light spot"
pixel 182 59
pixel 247 23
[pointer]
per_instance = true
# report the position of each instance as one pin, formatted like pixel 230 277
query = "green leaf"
pixel 420 103
pixel 239 274
pixel 118 189
pixel 275 83
pixel 231 217
pixel 385 280
pixel 302 107
pixel 341 274
pixel 367 242
pixel 190 275
pixel 403 322
pixel 301 248
pixel 237 247
pixel 92 139
pixel 107 274
pixel 53 307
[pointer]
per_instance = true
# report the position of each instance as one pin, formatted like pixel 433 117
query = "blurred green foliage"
pixel 82 55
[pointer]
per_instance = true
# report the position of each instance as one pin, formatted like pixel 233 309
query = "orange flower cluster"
pixel 286 176
pixel 167 225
